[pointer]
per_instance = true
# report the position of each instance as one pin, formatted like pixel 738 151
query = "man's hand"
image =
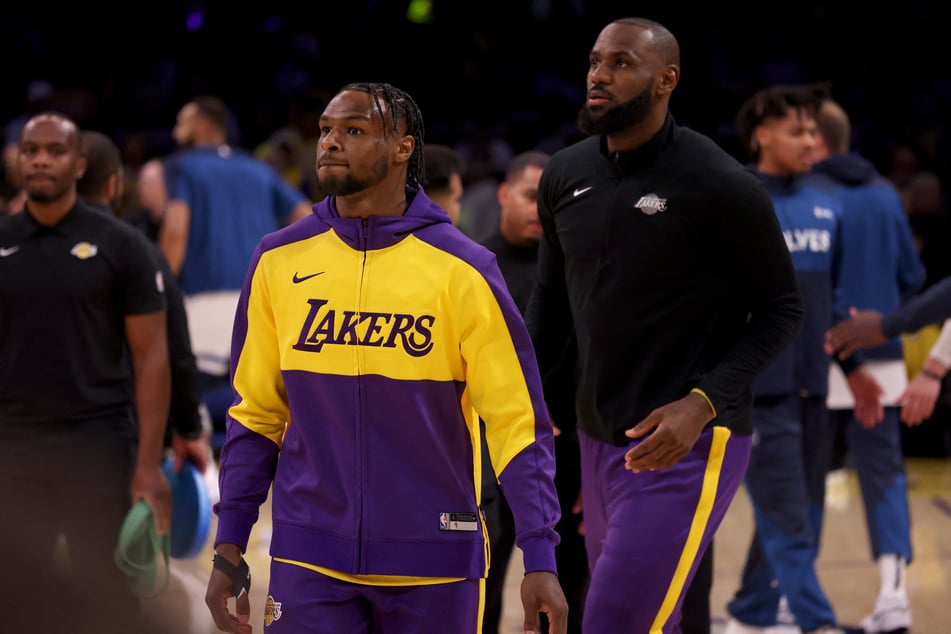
pixel 150 484
pixel 676 426
pixel 196 451
pixel 541 592
pixel 919 398
pixel 863 329
pixel 220 591
pixel 867 394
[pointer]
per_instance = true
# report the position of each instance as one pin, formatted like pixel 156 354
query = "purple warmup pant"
pixel 646 532
pixel 301 601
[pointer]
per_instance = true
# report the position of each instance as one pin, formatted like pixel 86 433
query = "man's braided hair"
pixel 403 111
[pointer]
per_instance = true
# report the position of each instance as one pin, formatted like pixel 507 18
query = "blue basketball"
pixel 191 510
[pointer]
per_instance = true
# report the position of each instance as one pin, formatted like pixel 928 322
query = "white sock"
pixel 892 570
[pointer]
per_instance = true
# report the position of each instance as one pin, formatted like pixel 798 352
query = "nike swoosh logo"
pixel 581 190
pixel 5 252
pixel 298 279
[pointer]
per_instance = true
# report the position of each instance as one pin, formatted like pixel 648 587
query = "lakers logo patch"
pixel 651 204
pixel 272 611
pixel 84 250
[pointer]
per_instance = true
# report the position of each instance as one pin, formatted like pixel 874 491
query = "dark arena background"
pixel 514 68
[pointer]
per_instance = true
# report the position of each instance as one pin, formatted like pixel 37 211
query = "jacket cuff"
pixel 538 554
pixel 234 527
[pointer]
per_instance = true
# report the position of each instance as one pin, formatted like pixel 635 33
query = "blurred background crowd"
pixel 493 78
pixel 512 69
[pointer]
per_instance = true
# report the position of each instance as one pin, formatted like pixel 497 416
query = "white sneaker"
pixel 735 627
pixel 895 619
pixel 827 629
pixel 786 628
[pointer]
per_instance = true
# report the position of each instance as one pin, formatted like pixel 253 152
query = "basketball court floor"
pixel 845 567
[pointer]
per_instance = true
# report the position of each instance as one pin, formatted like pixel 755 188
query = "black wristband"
pixel 240 575
pixel 931 375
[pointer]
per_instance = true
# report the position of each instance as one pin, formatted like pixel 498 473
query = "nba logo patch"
pixel 458 522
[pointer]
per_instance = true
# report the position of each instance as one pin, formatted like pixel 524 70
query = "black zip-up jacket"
pixel 671 266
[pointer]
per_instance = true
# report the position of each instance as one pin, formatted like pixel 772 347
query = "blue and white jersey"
pixel 810 218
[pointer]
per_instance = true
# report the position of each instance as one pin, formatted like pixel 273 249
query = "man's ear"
pixel 667 79
pixel 81 165
pixel 404 149
pixel 113 185
pixel 502 193
pixel 759 138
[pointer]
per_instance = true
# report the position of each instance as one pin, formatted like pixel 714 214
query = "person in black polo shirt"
pixel 83 355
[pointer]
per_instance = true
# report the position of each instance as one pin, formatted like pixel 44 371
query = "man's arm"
pixel 190 441
pixel 173 236
pixel 867 328
pixel 930 307
pixel 148 345
pixel 503 380
pixel 249 457
pixel 760 265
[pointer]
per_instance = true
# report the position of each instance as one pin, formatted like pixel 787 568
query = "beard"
pixel 350 184
pixel 44 192
pixel 41 195
pixel 617 118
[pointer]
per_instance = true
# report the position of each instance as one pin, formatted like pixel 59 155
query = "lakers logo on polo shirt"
pixel 84 250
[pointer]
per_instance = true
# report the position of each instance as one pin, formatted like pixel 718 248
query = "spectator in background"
pixel 879 267
pixel 487 156
pixel 479 206
pixel 930 222
pixel 101 187
pixel 221 202
pixel 12 195
pixel 147 207
pixel 902 168
pixel 40 95
pixel 292 149
pixel 442 179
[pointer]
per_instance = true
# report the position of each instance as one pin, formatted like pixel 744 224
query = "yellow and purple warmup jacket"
pixel 363 353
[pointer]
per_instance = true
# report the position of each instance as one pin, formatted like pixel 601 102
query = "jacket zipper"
pixel 361 435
